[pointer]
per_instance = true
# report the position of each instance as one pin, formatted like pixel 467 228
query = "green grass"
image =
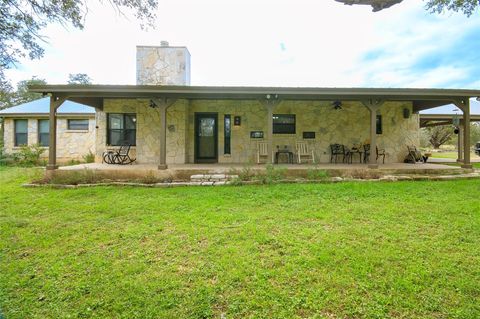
pixel 347 250
pixel 450 155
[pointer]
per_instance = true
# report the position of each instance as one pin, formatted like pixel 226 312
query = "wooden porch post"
pixel 163 104
pixel 460 143
pixel 55 102
pixel 466 134
pixel 373 105
pixel 270 102
pixel 464 105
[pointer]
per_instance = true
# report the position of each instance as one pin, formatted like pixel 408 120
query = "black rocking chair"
pixel 119 157
pixel 338 150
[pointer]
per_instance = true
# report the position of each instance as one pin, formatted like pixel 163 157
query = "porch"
pixel 155 147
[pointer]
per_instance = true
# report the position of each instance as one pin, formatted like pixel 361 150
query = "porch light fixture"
pixel 152 104
pixel 337 105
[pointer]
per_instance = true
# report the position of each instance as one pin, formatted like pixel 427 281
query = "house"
pixel 167 121
pixel 28 124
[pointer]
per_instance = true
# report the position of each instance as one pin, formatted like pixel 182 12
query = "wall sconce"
pixel 406 113
pixel 237 121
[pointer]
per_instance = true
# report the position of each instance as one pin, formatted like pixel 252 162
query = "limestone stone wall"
pixel 163 65
pixel 147 149
pixel 71 144
pixel 349 126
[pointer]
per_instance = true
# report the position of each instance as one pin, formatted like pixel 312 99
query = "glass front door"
pixel 206 137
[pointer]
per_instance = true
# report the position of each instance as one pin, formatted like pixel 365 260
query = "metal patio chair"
pixel 119 157
pixel 337 150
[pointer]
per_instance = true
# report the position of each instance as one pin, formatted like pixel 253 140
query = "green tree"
pixel 79 78
pixel 439 135
pixel 22 23
pixel 467 7
pixel 22 94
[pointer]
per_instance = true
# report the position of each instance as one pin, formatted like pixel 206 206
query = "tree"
pixel 467 7
pixel 439 135
pixel 22 94
pixel 79 78
pixel 21 23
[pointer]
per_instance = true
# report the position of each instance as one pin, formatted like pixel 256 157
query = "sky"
pixel 301 43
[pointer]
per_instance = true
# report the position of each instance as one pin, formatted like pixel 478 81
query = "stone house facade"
pixel 28 124
pixel 165 65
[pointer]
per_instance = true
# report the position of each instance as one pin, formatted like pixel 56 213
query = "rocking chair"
pixel 119 157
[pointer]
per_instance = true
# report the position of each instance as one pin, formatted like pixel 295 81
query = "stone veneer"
pixel 71 144
pixel 349 126
pixel 163 65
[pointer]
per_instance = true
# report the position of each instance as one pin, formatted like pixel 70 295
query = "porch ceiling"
pixel 421 98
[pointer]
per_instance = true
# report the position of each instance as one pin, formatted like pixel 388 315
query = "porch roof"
pixel 94 94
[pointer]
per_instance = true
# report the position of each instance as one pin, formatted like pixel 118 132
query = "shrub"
pixel 89 157
pixel 271 175
pixel 29 155
pixel 245 174
pixel 317 174
pixel 74 178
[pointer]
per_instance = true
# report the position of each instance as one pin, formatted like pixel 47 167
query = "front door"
pixel 206 137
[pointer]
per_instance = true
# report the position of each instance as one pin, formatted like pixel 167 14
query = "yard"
pixel 348 250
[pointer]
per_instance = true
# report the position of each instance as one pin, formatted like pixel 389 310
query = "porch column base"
pixel 51 167
pixel 467 166
pixel 373 166
pixel 162 166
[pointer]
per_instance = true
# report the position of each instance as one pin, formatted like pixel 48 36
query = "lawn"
pixel 450 155
pixel 346 250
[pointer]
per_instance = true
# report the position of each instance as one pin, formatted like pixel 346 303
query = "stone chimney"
pixel 163 65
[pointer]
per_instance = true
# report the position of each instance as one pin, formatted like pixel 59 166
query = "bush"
pixel 317 174
pixel 271 175
pixel 74 178
pixel 29 155
pixel 89 157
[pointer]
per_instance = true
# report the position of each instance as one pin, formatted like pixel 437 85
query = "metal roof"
pixel 452 109
pixel 42 107
pixel 94 94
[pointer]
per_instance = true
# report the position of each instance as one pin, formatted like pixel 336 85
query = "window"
pixel 43 132
pixel 121 129
pixel 379 124
pixel 80 125
pixel 283 123
pixel 21 132
pixel 227 130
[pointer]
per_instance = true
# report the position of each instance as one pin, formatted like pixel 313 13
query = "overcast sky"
pixel 274 43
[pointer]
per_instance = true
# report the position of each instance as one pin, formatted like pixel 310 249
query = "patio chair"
pixel 262 151
pixel 119 157
pixel 378 153
pixel 303 151
pixel 337 150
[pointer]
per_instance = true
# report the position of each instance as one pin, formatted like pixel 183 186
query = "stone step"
pixel 212 177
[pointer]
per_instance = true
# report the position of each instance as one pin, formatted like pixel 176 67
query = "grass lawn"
pixel 451 155
pixel 347 250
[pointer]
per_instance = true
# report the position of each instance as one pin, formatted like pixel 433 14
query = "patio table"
pixel 354 151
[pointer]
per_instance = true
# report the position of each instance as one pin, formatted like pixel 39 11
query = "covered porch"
pixel 161 98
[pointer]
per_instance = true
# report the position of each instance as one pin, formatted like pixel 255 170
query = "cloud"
pixel 274 43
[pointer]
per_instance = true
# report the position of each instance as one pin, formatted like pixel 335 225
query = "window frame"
pixel 78 129
pixel 39 133
pixel 275 127
pixel 15 138
pixel 123 130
